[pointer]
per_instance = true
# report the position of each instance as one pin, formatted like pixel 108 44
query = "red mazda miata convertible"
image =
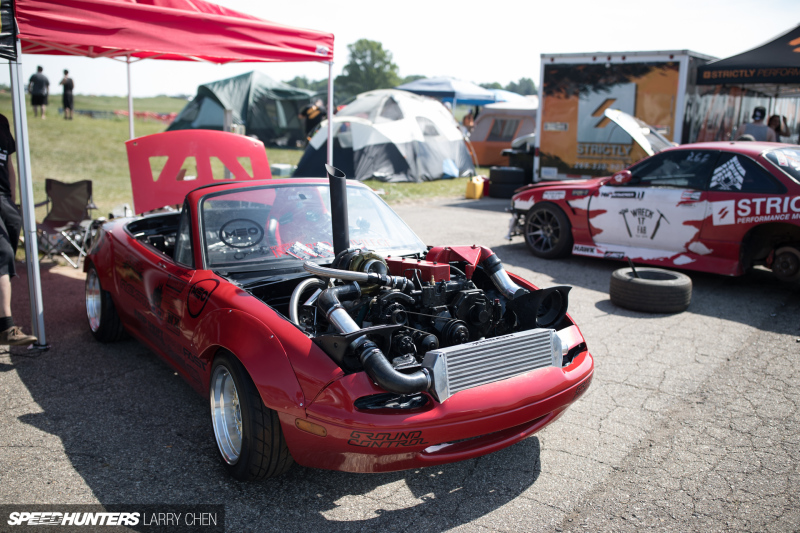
pixel 320 327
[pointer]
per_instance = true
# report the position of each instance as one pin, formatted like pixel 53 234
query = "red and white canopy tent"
pixel 131 30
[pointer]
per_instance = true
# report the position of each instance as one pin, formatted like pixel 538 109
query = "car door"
pixel 155 288
pixel 660 211
pixel 742 194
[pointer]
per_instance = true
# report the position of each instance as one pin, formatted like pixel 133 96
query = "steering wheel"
pixel 241 233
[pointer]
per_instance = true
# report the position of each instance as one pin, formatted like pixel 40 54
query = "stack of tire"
pixel 503 181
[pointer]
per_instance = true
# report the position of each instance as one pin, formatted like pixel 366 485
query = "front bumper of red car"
pixel 469 424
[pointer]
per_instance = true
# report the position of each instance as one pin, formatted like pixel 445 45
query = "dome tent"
pixel 267 108
pixel 393 136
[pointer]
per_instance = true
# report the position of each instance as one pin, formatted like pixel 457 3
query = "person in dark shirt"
pixel 10 225
pixel 313 115
pixel 39 87
pixel 67 99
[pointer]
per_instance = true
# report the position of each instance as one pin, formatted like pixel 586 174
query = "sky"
pixel 482 42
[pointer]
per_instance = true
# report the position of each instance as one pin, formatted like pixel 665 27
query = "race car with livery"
pixel 322 330
pixel 719 207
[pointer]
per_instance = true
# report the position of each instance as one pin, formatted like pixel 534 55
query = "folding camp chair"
pixel 67 227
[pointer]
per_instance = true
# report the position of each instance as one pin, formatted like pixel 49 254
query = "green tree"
pixel 413 77
pixel 370 67
pixel 494 85
pixel 301 82
pixel 524 86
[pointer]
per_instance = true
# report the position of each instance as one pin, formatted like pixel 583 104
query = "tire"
pixel 248 434
pixel 655 290
pixel 507 175
pixel 786 264
pixel 103 319
pixel 548 232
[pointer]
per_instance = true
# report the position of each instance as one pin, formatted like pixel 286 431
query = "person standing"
pixel 10 224
pixel 780 129
pixel 313 115
pixel 39 87
pixel 67 99
pixel 757 129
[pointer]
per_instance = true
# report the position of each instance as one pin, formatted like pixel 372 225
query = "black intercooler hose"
pixel 372 358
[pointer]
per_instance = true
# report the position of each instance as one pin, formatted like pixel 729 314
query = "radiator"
pixel 477 363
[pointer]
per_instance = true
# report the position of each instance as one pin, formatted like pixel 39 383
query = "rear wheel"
pixel 248 433
pixel 548 232
pixel 103 318
pixel 786 265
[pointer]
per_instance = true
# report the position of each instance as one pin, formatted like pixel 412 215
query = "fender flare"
pixel 257 347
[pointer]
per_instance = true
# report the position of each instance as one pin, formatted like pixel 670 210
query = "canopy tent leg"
pixel 26 199
pixel 130 98
pixel 330 113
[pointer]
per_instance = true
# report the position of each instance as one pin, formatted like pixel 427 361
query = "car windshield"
pixel 280 226
pixel 786 159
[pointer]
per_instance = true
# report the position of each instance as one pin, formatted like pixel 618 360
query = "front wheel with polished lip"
pixel 548 232
pixel 103 319
pixel 248 433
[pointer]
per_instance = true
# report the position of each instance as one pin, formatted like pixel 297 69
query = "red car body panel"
pixel 189 315
pixel 706 229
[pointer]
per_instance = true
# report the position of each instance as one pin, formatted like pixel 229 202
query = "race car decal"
pixel 554 195
pixel 728 177
pixel 386 440
pixel 682 260
pixel 198 296
pixel 752 210
pixel 582 249
pixel 640 217
pixel 524 205
pixel 633 195
pixel 691 196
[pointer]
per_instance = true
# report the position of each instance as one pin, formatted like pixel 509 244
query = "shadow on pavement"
pixel 136 433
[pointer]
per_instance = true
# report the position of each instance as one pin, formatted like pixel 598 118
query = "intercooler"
pixel 477 363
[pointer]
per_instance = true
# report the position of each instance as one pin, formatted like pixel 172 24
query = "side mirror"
pixel 621 178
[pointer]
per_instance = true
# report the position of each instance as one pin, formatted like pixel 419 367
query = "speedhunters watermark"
pixel 144 518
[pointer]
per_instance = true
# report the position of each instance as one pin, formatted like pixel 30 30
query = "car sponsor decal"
pixel 386 440
pixel 755 210
pixel 632 195
pixel 691 196
pixel 580 389
pixel 198 296
pixel 640 222
pixel 614 255
pixel 176 285
pixel 554 195
pixel 728 177
pixel 583 249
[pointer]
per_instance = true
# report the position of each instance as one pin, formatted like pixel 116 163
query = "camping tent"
pixel 266 108
pixel 499 124
pixel 729 89
pixel 392 135
pixel 450 90
pixel 187 30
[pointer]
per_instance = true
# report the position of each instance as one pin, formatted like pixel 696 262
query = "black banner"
pixel 8 35
pixel 147 518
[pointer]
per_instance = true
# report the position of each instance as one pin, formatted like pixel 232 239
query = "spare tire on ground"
pixel 655 290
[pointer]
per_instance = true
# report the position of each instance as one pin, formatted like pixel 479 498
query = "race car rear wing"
pixel 166 166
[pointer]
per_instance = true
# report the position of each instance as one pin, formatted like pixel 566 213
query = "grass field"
pixel 94 149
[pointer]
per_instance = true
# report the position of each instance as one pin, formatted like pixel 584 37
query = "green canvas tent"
pixel 266 108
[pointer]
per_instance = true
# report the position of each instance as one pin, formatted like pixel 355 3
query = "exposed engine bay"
pixel 387 316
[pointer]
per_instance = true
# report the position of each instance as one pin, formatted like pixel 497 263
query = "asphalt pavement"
pixel 690 424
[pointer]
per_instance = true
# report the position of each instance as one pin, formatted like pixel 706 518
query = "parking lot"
pixel 690 424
